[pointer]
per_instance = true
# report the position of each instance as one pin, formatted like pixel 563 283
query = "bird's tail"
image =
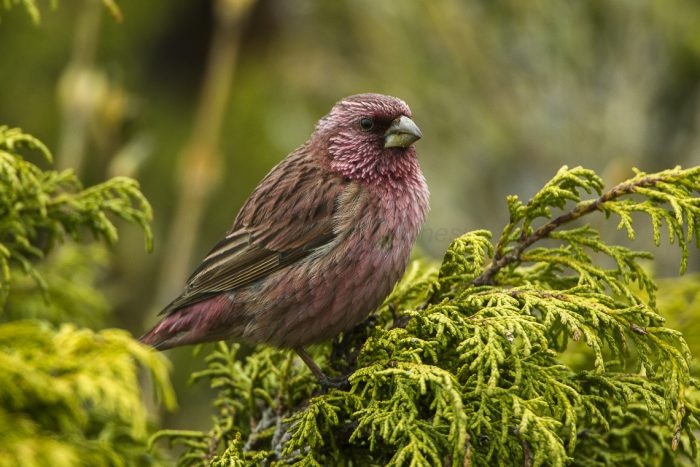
pixel 197 323
pixel 159 338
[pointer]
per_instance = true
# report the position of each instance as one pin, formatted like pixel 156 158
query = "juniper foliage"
pixel 72 396
pixel 73 277
pixel 545 347
pixel 39 209
pixel 68 395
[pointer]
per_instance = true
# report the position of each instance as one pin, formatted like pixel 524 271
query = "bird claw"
pixel 341 382
pixel 326 382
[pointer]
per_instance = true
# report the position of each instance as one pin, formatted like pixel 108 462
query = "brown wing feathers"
pixel 261 241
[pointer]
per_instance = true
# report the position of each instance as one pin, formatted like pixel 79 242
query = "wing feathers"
pixel 291 217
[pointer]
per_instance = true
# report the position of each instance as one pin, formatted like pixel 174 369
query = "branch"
pixel 501 260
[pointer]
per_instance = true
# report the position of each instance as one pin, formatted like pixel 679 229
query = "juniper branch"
pixel 502 259
pixel 478 376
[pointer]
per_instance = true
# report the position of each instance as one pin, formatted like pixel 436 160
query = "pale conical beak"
pixel 402 133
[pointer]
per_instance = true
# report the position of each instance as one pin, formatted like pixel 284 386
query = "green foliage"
pixel 40 208
pixel 72 276
pixel 545 348
pixel 68 396
pixel 72 397
pixel 679 299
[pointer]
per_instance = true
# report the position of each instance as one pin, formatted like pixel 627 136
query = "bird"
pixel 318 245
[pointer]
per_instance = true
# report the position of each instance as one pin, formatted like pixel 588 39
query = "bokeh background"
pixel 199 99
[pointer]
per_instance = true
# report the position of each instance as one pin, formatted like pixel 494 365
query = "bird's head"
pixel 370 138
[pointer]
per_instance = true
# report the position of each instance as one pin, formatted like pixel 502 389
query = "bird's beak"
pixel 402 133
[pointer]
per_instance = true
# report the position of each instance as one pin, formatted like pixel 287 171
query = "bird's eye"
pixel 366 123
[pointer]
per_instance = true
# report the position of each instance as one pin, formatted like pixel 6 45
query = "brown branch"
pixel 583 208
pixel 467 461
pixel 528 458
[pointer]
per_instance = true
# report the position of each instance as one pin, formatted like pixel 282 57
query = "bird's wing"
pixel 288 215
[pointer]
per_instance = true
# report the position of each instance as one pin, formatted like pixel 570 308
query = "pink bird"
pixel 319 244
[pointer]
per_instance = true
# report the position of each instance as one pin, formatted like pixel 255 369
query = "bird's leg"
pixel 323 379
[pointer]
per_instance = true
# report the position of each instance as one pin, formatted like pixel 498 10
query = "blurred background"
pixel 199 99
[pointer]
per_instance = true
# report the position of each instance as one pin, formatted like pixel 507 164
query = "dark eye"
pixel 366 123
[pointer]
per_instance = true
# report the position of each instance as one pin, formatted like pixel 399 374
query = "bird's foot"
pixel 327 383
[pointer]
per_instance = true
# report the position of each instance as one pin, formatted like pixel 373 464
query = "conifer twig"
pixel 502 259
pixel 476 376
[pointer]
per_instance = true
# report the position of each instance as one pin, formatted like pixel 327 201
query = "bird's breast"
pixel 382 217
pixel 377 234
pixel 337 286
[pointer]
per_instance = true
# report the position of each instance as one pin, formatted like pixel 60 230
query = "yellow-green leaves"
pixel 39 209
pixel 72 396
pixel 68 396
pixel 543 348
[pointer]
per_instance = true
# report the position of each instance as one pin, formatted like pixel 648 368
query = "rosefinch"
pixel 318 245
